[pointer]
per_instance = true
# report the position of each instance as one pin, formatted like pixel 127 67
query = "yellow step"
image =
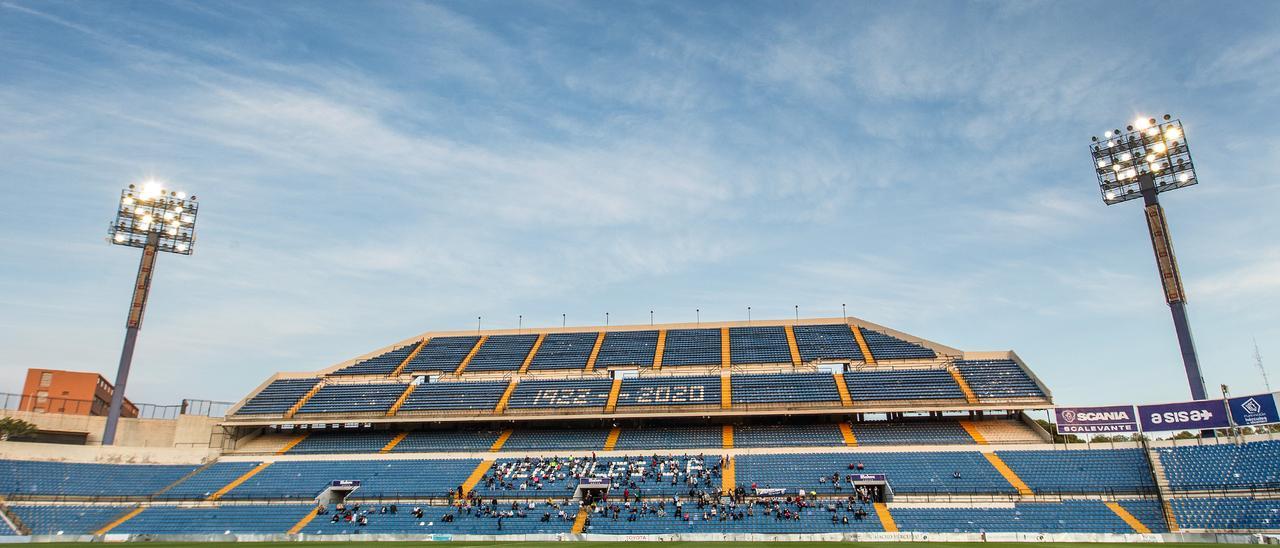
pixel 614 390
pixel 791 343
pixel 395 408
pixel 400 368
pixel 467 360
pixel 502 440
pixel 862 345
pixel 725 355
pixel 886 519
pixel 291 444
pixel 236 482
pixel 476 475
pixel 1008 474
pixel 846 432
pixel 297 527
pixel 293 410
pixel 1133 522
pixel 394 442
pixel 506 396
pixel 845 399
pixel 662 345
pixel 726 437
pixel 969 396
pixel 612 441
pixel 108 527
pixel 728 476
pixel 726 392
pixel 528 360
pixel 972 429
pixel 595 352
pixel 1170 518
pixel 580 522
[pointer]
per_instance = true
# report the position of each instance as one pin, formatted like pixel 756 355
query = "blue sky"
pixel 368 171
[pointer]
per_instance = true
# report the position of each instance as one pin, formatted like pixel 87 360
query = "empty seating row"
pixel 448 396
pixel 382 364
pixel 589 439
pixel 910 433
pixel 588 392
pixel 669 390
pixel 660 439
pixel 277 397
pixel 1090 471
pixel 628 348
pixel 692 347
pixel 998 379
pixel 254 518
pixel 888 347
pixel 1227 513
pixel 387 478
pixel 787 435
pixel 902 384
pixel 208 481
pixel 66 519
pixel 759 345
pixel 20 477
pixel 502 353
pixel 354 398
pixel 442 354
pixel 919 472
pixel 827 342
pixel 564 351
pixel 784 388
pixel 357 441
pixel 1070 516
pixel 1251 465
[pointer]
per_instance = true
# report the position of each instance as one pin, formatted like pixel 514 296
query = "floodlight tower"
pixel 154 219
pixel 1147 158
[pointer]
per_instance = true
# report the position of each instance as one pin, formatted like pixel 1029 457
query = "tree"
pixel 15 428
pixel 1058 438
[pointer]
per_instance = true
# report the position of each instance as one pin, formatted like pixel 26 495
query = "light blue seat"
pixel 382 364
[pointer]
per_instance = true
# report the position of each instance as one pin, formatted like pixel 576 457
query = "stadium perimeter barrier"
pixel 1216 538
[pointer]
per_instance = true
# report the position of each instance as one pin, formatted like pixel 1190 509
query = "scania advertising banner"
pixel 1254 410
pixel 1096 420
pixel 1191 415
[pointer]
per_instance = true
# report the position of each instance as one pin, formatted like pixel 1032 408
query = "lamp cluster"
pixel 150 212
pixel 1149 149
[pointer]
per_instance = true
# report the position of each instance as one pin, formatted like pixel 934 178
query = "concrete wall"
pixel 105 454
pixel 185 431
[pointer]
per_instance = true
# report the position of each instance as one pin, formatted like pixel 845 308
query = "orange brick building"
pixel 70 393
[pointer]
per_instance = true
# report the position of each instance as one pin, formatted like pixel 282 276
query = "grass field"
pixel 463 544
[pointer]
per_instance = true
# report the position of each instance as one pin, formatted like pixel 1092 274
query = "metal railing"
pixel 67 406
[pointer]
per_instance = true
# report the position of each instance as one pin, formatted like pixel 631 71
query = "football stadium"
pixel 671 272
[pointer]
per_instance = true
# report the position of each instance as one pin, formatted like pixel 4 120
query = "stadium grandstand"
pixel 831 426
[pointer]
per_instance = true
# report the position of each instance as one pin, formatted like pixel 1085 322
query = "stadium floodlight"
pixel 154 219
pixel 1150 157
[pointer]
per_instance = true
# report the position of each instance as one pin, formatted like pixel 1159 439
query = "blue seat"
pixel 382 364
pixel 354 398
pixel 784 388
pixel 442 354
pixel 902 384
pixel 692 347
pixel 888 347
pixel 759 345
pixel 560 394
pixel 628 348
pixel 277 397
pixel 1086 471
pixel 564 351
pixel 502 353
pixel 669 390
pixel 998 379
pixel 827 342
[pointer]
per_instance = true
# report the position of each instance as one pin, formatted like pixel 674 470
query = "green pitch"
pixel 464 544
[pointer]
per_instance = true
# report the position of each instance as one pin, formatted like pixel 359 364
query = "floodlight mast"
pixel 155 220
pixel 1148 158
